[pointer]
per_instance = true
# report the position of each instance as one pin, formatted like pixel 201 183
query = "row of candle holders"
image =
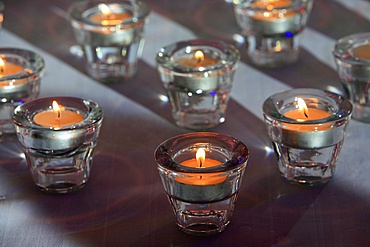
pixel 201 171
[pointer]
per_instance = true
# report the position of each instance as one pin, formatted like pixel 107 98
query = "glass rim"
pixel 34 66
pixel 23 114
pixel 343 49
pixel 229 55
pixel 163 152
pixel 139 10
pixel 341 107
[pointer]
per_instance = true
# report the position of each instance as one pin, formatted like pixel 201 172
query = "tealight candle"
pixel 303 114
pixel 58 117
pixel 273 16
pixel 8 69
pixel 362 51
pixel 106 17
pixel 201 178
pixel 200 67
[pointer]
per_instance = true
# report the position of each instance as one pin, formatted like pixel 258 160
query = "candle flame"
pixel 199 56
pixel 200 156
pixel 104 9
pixel 2 65
pixel 56 108
pixel 302 106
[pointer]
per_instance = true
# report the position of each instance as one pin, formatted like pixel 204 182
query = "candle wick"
pixel 58 114
pixel 304 112
pixel 1 69
pixel 200 163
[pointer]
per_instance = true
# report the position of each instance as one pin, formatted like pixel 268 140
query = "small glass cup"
pixel 352 57
pixel 111 35
pixel 20 77
pixel 272 29
pixel 198 88
pixel 307 141
pixel 202 197
pixel 59 158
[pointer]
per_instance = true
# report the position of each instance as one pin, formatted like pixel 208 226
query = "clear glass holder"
pixel 198 94
pixel 111 48
pixel 352 58
pixel 202 198
pixel 307 151
pixel 59 159
pixel 17 86
pixel 272 31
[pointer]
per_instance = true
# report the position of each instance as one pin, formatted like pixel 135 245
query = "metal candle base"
pixel 59 159
pixel 202 198
pixel 307 151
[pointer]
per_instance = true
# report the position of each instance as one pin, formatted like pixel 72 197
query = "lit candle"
pixel 362 51
pixel 197 60
pixel 273 16
pixel 8 69
pixel 200 161
pixel 200 67
pixel 58 117
pixel 304 114
pixel 106 17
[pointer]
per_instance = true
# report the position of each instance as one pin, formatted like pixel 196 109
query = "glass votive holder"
pixel 307 128
pixel 352 57
pixel 198 76
pixel 272 29
pixel 201 173
pixel 58 136
pixel 111 35
pixel 20 77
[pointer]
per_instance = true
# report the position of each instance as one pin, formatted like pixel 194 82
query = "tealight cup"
pixel 20 77
pixel 272 29
pixel 352 57
pixel 202 195
pixel 59 144
pixel 111 35
pixel 307 140
pixel 198 87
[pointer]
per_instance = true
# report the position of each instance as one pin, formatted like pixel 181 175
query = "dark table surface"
pixel 123 203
